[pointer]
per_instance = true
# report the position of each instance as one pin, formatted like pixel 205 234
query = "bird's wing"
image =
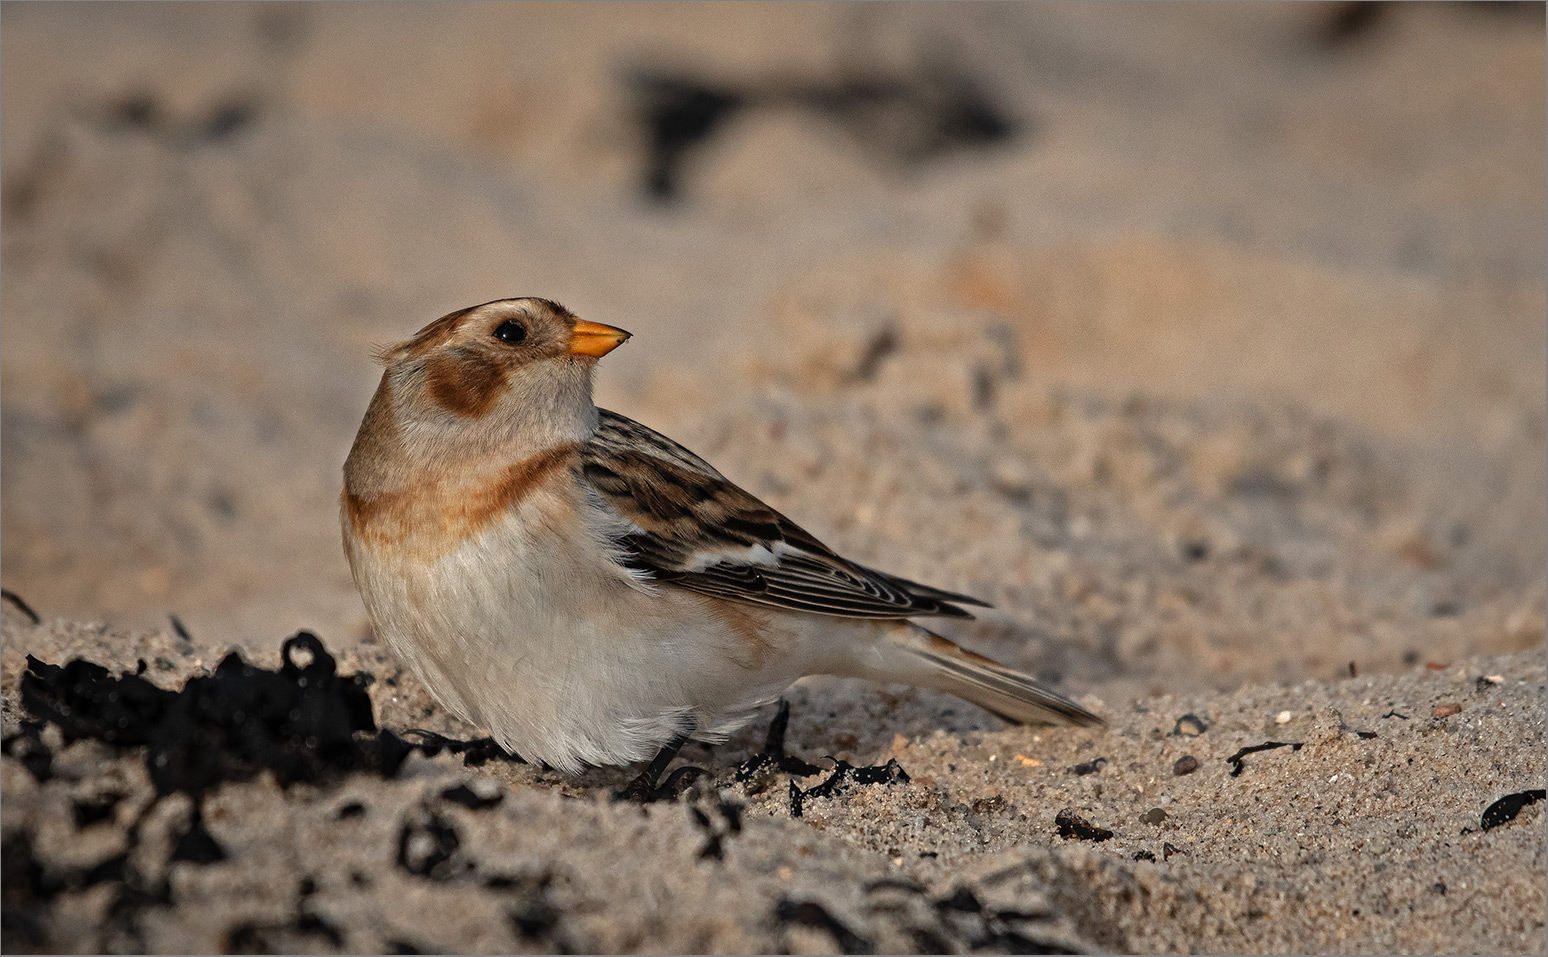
pixel 695 529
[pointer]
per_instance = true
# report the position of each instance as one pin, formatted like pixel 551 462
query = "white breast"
pixel 530 629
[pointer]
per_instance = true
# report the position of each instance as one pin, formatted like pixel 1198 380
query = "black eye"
pixel 510 331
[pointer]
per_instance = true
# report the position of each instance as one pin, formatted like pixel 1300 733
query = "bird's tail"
pixel 917 656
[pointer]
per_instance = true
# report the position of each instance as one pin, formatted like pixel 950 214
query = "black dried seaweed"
pixel 21 605
pixel 843 773
pixel 904 119
pixel 1235 760
pixel 1506 808
pixel 299 723
pixel 1088 767
pixel 1071 824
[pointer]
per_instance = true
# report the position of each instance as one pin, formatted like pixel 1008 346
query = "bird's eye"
pixel 510 331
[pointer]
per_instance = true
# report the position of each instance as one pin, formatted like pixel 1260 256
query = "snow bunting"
pixel 587 589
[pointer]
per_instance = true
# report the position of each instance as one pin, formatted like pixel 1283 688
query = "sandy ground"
pixel 1207 343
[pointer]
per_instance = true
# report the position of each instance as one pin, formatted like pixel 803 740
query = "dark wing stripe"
pixel 686 511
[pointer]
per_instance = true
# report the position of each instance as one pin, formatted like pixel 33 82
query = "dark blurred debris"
pixel 1071 824
pixel 299 723
pixel 1190 725
pixel 27 890
pixel 27 746
pixel 731 818
pixel 474 800
pixel 143 113
pixel 197 845
pixel 298 935
pixel 1167 850
pixel 677 114
pixel 535 918
pixel 475 752
pixel 1353 673
pixel 813 914
pixel 1394 714
pixel 1187 764
pixel 1341 24
pixel 904 119
pixel 21 605
pixel 882 343
pixel 226 120
pixel 1506 808
pixel 1153 816
pixel 1088 767
pixel 1346 24
pixel 1235 760
pixel 427 844
pixel 95 809
pixel 180 630
pixel 1144 856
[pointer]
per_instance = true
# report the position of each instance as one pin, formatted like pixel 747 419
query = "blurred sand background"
pixel 1207 342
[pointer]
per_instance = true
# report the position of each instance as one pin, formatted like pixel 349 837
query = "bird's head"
pixel 513 374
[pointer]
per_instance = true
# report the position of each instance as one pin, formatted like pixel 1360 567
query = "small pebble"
pixel 1187 764
pixel 1190 725
pixel 1283 717
pixel 1153 816
pixel 1445 710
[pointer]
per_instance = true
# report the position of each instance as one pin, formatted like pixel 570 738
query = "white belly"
pixel 559 653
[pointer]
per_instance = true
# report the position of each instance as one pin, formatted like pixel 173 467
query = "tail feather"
pixel 944 665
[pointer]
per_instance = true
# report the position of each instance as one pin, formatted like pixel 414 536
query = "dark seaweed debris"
pixel 1506 808
pixel 1235 760
pixel 21 605
pixel 903 119
pixel 1073 825
pixel 300 722
pixel 844 772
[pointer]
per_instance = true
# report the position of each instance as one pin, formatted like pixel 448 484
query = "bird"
pixel 591 592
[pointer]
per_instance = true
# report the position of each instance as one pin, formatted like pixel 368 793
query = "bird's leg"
pixel 643 788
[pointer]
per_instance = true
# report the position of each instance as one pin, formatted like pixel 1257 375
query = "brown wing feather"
pixel 698 530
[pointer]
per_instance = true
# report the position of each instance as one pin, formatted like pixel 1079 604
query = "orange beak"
pixel 594 339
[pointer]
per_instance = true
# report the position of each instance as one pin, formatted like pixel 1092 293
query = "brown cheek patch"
pixel 463 382
pixel 437 516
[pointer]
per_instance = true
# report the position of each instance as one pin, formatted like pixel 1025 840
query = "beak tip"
pixel 595 339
